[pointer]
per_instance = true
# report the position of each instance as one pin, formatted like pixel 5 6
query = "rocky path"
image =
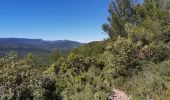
pixel 118 95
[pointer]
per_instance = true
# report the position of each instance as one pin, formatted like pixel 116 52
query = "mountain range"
pixel 24 45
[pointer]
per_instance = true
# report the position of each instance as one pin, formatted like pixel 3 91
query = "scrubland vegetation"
pixel 134 59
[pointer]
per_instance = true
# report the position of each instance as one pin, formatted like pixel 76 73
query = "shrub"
pixel 49 86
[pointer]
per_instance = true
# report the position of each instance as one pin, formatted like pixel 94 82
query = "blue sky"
pixel 78 20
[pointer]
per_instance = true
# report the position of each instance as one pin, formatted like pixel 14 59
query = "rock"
pixel 118 95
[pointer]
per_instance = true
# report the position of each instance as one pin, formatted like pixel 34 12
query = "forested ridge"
pixel 23 46
pixel 134 61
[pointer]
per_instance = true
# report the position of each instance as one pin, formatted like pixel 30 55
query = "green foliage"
pixel 20 80
pixel 77 64
pixel 127 56
pixel 92 49
pixel 55 55
pixel 120 14
pixel 31 60
pixel 22 93
pixel 77 75
pixel 49 87
pixel 149 83
pixel 124 56
pixel 135 59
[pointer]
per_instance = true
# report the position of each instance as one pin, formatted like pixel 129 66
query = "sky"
pixel 78 20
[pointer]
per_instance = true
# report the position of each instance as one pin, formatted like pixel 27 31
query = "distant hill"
pixel 24 46
pixel 94 48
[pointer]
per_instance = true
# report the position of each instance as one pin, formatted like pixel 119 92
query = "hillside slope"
pixel 24 46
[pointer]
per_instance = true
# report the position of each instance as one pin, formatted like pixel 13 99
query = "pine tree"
pixel 120 13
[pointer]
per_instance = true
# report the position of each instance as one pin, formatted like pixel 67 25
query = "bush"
pixel 49 86
pixel 124 56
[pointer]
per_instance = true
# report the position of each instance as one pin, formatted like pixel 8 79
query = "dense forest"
pixel 23 46
pixel 134 60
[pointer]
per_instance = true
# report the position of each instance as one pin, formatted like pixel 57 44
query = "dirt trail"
pixel 118 95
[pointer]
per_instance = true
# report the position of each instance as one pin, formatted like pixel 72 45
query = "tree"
pixel 55 55
pixel 163 4
pixel 142 42
pixel 121 12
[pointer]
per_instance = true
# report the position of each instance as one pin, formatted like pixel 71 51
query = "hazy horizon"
pixel 46 40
